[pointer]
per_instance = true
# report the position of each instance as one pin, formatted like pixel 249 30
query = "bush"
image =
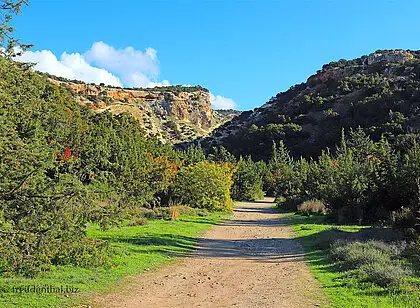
pixel 403 218
pixel 138 221
pixel 385 274
pixel 247 183
pixel 145 213
pixel 371 261
pixel 288 205
pixel 283 180
pixel 413 251
pixel 202 212
pixel 311 207
pixel 352 255
pixel 205 185
pixel 184 210
pixel 175 212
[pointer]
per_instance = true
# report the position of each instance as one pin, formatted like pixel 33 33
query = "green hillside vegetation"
pixel 382 97
pixel 362 182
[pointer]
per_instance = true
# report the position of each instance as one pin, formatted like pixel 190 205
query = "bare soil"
pixel 249 261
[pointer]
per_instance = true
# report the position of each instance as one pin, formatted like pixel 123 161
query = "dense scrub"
pixel 362 182
pixel 64 166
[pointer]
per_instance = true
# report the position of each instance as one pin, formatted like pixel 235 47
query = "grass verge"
pixel 343 290
pixel 138 249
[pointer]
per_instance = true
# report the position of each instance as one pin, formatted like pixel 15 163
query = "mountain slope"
pixel 379 92
pixel 173 113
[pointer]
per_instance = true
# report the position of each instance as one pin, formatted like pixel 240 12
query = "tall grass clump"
pixel 311 207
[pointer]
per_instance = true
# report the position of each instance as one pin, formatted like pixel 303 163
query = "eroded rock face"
pixel 169 113
pixel 192 106
pixel 342 68
pixel 393 56
pixel 333 73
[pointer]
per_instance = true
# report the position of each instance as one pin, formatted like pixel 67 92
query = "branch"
pixel 38 234
pixel 23 181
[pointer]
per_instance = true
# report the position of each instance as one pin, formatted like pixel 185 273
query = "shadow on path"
pixel 260 249
pixel 267 201
pixel 268 222
pixel 264 210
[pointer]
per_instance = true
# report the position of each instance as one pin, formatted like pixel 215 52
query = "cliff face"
pixel 379 93
pixel 172 114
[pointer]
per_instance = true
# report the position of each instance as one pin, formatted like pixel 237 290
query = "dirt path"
pixel 249 261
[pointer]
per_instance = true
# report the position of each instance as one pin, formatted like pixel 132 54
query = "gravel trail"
pixel 251 260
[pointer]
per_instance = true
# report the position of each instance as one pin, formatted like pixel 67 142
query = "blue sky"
pixel 246 51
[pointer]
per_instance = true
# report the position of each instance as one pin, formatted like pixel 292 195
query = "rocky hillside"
pixel 174 113
pixel 225 115
pixel 379 92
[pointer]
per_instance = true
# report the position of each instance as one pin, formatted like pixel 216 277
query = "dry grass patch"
pixel 311 207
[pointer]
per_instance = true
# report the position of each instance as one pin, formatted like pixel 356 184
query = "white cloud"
pixel 221 102
pixel 135 67
pixel 71 66
pixel 102 63
pixel 164 83
pixel 142 81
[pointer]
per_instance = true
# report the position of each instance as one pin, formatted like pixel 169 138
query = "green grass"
pixel 313 233
pixel 138 249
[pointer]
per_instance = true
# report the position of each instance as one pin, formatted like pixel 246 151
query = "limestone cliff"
pixel 174 113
